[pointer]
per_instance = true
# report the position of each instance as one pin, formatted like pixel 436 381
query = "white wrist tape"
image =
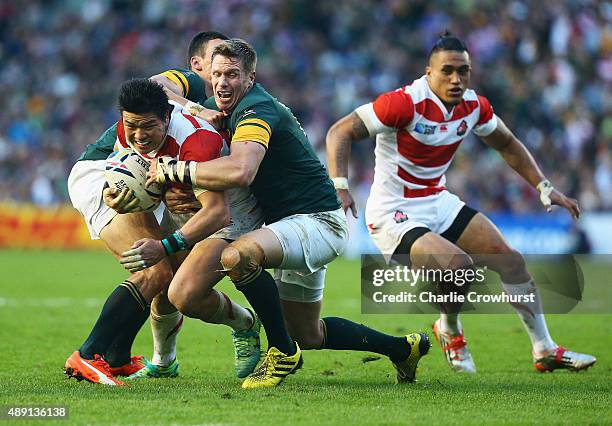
pixel 545 188
pixel 340 183
pixel 193 108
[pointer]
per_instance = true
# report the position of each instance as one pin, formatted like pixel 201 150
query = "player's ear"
pixel 428 71
pixel 251 79
pixel 196 63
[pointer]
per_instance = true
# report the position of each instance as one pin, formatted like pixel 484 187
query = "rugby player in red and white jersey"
pixel 410 212
pixel 153 126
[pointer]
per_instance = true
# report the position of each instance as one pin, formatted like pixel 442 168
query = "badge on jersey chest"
pixel 462 128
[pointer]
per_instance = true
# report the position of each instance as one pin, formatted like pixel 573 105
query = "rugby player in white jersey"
pixel 409 212
pixel 152 132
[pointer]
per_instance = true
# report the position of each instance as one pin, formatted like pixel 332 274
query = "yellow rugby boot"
pixel 419 346
pixel 273 369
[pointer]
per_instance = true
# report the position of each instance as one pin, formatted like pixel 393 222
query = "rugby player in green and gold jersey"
pixel 305 225
pixel 187 87
pixel 124 229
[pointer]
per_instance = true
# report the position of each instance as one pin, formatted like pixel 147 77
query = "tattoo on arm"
pixel 360 131
pixel 339 139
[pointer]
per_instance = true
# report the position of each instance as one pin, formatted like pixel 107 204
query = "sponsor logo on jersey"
pixel 462 128
pixel 443 128
pixel 424 129
pixel 400 216
pixel 249 112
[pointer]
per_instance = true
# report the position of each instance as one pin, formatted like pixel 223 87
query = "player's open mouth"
pixel 455 91
pixel 143 143
pixel 224 95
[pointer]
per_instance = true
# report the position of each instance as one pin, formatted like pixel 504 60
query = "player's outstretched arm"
pixel 236 170
pixel 339 139
pixel 520 159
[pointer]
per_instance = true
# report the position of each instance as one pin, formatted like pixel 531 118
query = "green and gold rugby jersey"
pixel 291 179
pixel 192 87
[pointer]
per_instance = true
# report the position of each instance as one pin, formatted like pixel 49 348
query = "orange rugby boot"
pixel 93 370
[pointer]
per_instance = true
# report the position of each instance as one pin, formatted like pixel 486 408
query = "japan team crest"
pixel 462 128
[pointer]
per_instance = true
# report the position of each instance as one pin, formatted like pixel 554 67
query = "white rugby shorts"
pixel 388 222
pixel 310 242
pixel 86 182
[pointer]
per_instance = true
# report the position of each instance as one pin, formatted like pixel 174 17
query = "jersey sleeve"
pixel 191 85
pixel 256 123
pixel 202 145
pixel 487 121
pixel 391 110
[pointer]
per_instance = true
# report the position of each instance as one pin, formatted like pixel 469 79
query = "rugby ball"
pixel 125 168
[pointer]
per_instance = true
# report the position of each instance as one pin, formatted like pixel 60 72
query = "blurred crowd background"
pixel 545 65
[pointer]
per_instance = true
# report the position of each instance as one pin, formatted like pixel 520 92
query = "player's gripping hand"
pixel 143 254
pixel 347 201
pixel 123 201
pixel 549 196
pixel 180 201
pixel 215 118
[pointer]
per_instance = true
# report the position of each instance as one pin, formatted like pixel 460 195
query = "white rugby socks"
pixel 532 316
pixel 231 314
pixel 165 328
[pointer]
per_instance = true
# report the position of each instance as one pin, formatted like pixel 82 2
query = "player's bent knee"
pixel 192 302
pixel 461 261
pixel 241 259
pixel 178 297
pixel 509 263
pixel 230 257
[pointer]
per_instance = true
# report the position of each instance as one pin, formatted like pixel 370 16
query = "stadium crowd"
pixel 545 65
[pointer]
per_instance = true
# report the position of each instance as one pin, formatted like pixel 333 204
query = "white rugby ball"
pixel 125 168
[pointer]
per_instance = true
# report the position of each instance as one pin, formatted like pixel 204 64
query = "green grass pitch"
pixel 50 300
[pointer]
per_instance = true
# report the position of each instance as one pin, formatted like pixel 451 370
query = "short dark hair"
pixel 200 40
pixel 143 96
pixel 236 48
pixel 447 41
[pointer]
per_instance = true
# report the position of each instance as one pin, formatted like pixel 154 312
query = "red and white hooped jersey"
pixel 193 139
pixel 188 138
pixel 417 137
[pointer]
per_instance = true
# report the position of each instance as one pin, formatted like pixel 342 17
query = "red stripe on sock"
pixel 176 329
pixel 230 308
